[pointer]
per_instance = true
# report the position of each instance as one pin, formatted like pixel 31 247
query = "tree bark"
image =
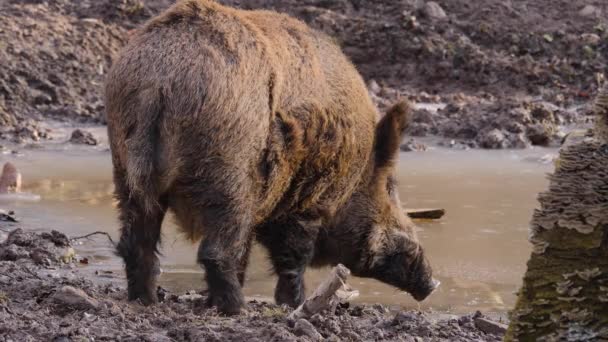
pixel 564 296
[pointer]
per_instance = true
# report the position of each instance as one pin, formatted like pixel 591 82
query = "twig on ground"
pixel 92 234
pixel 32 273
pixel 331 291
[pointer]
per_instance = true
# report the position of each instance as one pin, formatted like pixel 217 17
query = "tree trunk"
pixel 565 290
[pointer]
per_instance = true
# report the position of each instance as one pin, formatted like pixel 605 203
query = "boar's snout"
pixel 425 291
pixel 422 283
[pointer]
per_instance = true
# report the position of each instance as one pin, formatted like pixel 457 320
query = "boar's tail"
pixel 142 144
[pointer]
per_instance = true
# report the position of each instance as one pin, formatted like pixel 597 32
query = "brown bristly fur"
pixel 248 124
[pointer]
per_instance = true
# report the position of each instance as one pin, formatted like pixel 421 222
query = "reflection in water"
pixel 478 249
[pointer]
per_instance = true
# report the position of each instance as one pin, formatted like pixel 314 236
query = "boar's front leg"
pixel 244 262
pixel 221 252
pixel 291 247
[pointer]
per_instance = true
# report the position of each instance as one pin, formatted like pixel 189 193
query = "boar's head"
pixel 374 237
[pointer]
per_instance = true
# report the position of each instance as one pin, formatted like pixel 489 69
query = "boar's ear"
pixel 389 133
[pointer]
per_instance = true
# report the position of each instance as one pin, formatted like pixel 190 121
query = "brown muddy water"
pixel 478 250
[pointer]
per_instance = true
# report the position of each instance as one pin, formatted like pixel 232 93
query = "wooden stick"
pixel 325 296
pixel 431 214
pixel 94 233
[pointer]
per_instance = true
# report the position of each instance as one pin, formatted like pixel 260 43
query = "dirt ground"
pixel 512 73
pixel 45 296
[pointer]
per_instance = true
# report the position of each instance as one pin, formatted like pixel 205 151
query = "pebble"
pixel 305 328
pixel 76 298
pixel 590 11
pixel 433 10
pixel 82 137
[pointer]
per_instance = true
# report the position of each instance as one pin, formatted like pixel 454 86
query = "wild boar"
pixel 250 125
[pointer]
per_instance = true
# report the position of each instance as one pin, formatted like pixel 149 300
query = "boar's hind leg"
pixel 221 252
pixel 140 234
pixel 291 248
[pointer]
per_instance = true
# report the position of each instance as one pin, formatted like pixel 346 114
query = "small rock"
pixel 590 11
pixel 83 138
pixel 7 216
pixel 590 38
pixel 493 139
pixel 374 87
pixel 405 317
pixel 10 180
pixel 56 237
pixel 417 129
pixel 75 298
pixel 305 328
pixel 423 116
pixel 189 297
pixel 157 337
pixel 490 327
pixel 518 141
pixel 349 335
pixel 26 132
pixel 432 10
pixel 542 113
pixel 412 145
pixel 13 252
pixel 162 293
pixel 539 134
pixel 67 255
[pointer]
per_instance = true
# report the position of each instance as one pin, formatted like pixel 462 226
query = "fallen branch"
pixel 92 234
pixel 430 214
pixel 327 296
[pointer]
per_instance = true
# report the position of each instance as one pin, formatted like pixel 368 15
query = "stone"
pixel 13 252
pixel 305 328
pixel 412 145
pixel 10 180
pixel 190 297
pixel 590 38
pixel 494 139
pixel 490 327
pixel 419 129
pixel 539 134
pixel 433 10
pixel 374 87
pixel 83 138
pixel 8 216
pixel 590 11
pixel 518 141
pixel 74 298
pixel 423 116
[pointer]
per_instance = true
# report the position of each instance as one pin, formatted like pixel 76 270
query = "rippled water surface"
pixel 478 250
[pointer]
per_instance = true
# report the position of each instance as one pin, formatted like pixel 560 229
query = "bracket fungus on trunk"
pixel 565 289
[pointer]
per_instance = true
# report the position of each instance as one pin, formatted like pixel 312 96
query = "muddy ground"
pixel 45 296
pixel 512 73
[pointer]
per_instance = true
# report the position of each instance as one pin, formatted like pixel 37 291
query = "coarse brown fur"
pixel 249 124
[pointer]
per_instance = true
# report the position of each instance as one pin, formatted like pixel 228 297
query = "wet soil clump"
pixel 45 296
pixel 481 59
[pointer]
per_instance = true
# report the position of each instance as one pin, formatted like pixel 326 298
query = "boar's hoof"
pixel 143 299
pixel 227 303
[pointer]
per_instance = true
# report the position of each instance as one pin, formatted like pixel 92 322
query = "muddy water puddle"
pixel 478 250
